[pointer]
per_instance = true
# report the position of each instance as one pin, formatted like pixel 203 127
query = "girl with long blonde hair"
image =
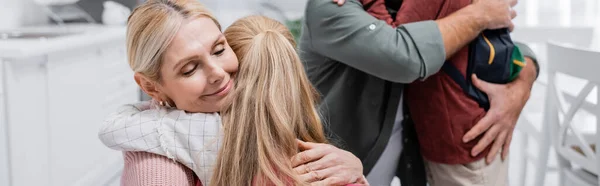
pixel 272 105
pixel 184 62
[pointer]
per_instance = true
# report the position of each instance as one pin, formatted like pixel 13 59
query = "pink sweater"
pixel 147 169
pixel 144 168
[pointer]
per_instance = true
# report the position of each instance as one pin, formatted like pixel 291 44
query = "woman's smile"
pixel 223 91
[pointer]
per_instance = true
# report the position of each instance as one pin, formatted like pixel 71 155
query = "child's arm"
pixel 142 168
pixel 172 133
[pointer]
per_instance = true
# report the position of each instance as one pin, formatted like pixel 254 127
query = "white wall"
pixel 17 13
pixel 227 11
pixel 7 14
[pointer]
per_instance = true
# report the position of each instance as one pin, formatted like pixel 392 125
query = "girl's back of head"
pixel 272 105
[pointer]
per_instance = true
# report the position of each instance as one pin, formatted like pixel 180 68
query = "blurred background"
pixel 63 68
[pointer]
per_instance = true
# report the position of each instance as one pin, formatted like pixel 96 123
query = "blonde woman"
pixel 183 61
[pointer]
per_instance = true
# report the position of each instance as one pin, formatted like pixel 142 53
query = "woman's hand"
pixel 324 164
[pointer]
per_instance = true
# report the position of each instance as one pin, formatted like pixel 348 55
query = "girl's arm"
pixel 142 168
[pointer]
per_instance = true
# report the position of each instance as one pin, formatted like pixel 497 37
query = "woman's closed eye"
pixel 189 69
pixel 220 52
pixel 219 49
pixel 192 66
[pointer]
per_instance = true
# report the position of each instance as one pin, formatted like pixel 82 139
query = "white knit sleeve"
pixel 189 138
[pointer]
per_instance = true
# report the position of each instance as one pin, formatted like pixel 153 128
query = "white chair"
pixel 579 36
pixel 530 122
pixel 566 109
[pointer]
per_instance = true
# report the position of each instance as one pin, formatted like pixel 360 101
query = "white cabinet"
pixel 26 94
pixel 56 104
pixel 4 174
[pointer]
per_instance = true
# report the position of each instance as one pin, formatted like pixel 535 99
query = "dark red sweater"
pixel 442 112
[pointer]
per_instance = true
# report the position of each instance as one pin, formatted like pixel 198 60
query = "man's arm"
pixel 412 51
pixel 350 35
pixel 461 27
pixel 528 53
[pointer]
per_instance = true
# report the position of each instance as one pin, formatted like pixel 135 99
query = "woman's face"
pixel 197 67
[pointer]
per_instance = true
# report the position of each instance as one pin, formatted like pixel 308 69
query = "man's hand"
pixel 506 103
pixel 324 164
pixel 464 25
pixel 496 13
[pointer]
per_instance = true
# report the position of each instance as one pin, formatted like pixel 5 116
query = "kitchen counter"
pixel 62 87
pixel 81 36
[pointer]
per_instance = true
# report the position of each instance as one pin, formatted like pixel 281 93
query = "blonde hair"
pixel 272 105
pixel 151 28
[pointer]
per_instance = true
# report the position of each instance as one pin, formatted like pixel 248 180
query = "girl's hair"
pixel 151 28
pixel 272 105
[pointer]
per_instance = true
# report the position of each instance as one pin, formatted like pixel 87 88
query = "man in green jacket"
pixel 359 64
